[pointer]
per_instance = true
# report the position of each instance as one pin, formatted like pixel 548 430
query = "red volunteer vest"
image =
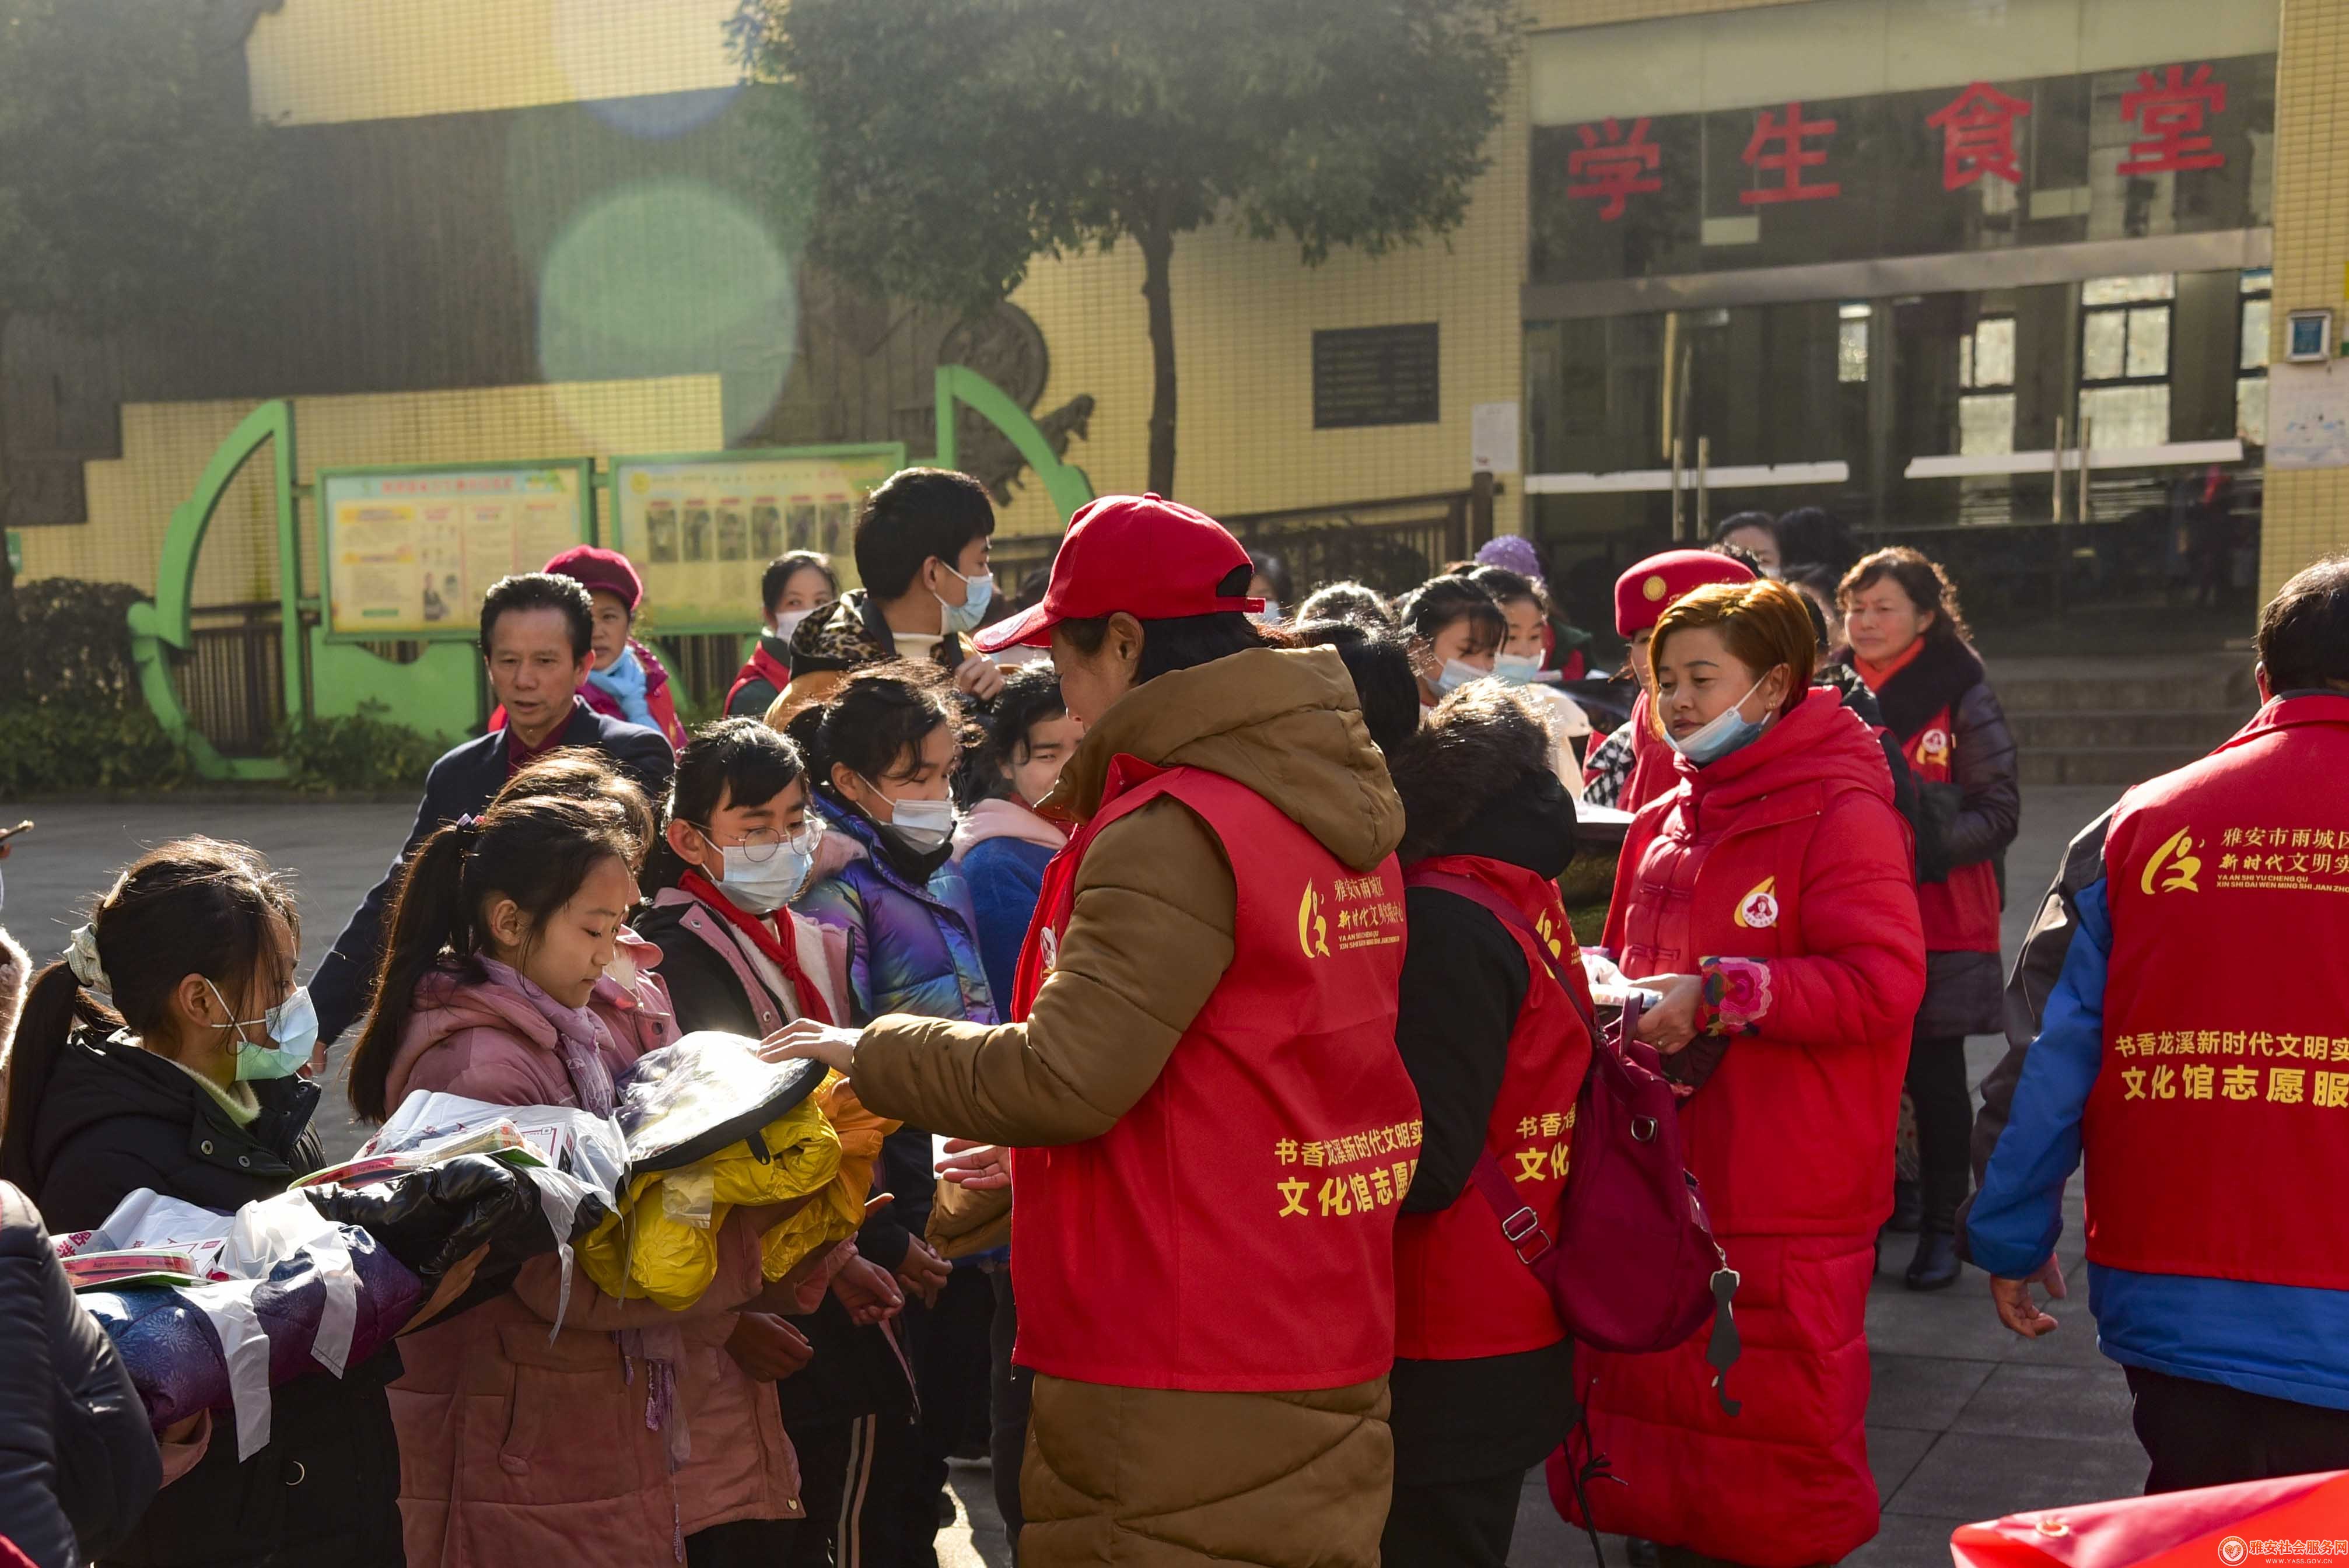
pixel 1959 915
pixel 762 666
pixel 1235 1229
pixel 2216 1135
pixel 1652 773
pixel 1460 1291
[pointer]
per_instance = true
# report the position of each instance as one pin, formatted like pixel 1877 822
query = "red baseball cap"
pixel 597 568
pixel 1154 559
pixel 1644 593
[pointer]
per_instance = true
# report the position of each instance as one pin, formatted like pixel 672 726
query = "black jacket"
pixel 1463 980
pixel 702 987
pixel 77 1460
pixel 758 694
pixel 463 783
pixel 325 1488
pixel 116 1118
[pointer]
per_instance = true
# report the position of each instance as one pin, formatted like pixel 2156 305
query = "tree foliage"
pixel 946 143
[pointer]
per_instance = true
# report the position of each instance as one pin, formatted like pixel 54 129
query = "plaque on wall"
pixel 1375 376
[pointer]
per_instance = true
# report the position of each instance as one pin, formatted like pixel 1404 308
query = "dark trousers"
pixel 854 1478
pixel 1453 1524
pixel 744 1543
pixel 1945 1120
pixel 2202 1434
pixel 1008 1443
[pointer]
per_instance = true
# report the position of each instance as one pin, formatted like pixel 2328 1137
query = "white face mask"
pixel 1456 674
pixel 978 592
pixel 1725 732
pixel 789 622
pixel 763 887
pixel 1517 668
pixel 1269 615
pixel 925 823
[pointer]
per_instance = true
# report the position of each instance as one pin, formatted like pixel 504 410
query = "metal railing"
pixel 1392 544
pixel 232 680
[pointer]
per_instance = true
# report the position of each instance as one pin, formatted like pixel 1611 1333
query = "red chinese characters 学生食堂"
pixel 1790 158
pixel 1977 130
pixel 1617 166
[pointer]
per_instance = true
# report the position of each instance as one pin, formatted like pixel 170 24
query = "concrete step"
pixel 2074 728
pixel 2205 682
pixel 2103 764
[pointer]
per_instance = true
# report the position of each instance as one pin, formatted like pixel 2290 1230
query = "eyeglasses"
pixel 758 845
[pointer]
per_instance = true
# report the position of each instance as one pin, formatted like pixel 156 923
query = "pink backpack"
pixel 1634 1267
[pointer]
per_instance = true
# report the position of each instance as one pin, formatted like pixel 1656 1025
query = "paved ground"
pixel 1966 1421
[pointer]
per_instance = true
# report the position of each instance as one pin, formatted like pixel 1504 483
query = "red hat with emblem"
pixel 597 568
pixel 1644 593
pixel 1154 559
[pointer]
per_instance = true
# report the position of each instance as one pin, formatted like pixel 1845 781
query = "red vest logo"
pixel 2176 863
pixel 1933 747
pixel 1047 947
pixel 1758 910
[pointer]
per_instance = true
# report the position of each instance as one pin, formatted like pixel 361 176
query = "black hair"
pixel 1185 642
pixel 581 773
pixel 912 515
pixel 1348 601
pixel 784 568
pixel 1437 603
pixel 1810 535
pixel 1741 555
pixel 1030 696
pixel 1508 586
pixel 1737 520
pixel 541 590
pixel 537 850
pixel 2303 638
pixel 874 721
pixel 1274 571
pixel 194 905
pixel 1385 683
pixel 1480 742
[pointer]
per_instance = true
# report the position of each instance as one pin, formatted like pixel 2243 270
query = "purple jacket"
pixel 911 947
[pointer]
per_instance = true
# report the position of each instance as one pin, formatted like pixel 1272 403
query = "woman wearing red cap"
pixel 1634 765
pixel 1769 897
pixel 1214 1129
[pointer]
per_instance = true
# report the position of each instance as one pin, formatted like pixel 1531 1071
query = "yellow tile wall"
pixel 166 445
pixel 314 62
pixel 2307 510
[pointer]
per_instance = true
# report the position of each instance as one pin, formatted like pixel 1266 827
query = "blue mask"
pixel 978 592
pixel 1724 733
pixel 1457 674
pixel 1517 668
pixel 293 1026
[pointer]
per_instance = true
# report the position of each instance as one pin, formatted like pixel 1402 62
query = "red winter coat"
pixel 1787 852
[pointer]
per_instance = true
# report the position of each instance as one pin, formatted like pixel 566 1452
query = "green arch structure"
pixel 168 620
pixel 1065 483
pixel 446 679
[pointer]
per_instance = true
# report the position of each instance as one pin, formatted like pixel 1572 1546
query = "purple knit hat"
pixel 1514 553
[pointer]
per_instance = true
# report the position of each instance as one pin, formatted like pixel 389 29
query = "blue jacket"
pixel 463 783
pixel 2284 1341
pixel 911 949
pixel 1006 878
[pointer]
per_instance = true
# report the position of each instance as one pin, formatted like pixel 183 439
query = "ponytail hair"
pixel 874 721
pixel 535 849
pixel 195 906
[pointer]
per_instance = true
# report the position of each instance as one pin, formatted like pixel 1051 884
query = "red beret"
pixel 595 569
pixel 1644 593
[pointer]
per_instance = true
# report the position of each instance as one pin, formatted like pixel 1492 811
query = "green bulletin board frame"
pixel 465 629
pixel 889 456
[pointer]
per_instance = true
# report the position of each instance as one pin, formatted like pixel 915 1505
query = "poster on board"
pixel 701 529
pixel 408 553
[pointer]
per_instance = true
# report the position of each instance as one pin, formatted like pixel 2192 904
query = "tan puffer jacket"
pixel 1150 1477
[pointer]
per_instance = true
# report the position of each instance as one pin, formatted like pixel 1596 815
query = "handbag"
pixel 1634 1268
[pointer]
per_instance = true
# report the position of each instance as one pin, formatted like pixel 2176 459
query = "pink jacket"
pixel 517 1447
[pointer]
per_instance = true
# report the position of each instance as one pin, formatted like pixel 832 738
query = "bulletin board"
pixel 700 527
pixel 406 553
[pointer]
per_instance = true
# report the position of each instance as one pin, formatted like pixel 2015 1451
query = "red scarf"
pixel 1876 675
pixel 771 936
